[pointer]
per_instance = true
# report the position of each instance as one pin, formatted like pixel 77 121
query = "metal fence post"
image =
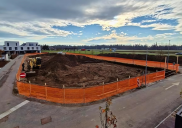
pixel 146 70
pixel 168 55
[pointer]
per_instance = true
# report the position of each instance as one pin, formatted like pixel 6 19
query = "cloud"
pixel 148 21
pixel 158 26
pixel 34 29
pixel 122 37
pixel 154 26
pixel 36 17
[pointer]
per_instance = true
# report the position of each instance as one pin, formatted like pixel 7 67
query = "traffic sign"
pixel 23 75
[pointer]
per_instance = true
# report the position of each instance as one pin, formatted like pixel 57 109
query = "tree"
pixel 106 116
pixel 45 47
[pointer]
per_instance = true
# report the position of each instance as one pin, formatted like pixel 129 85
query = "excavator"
pixel 34 63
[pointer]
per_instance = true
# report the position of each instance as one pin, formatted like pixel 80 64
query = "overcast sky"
pixel 77 22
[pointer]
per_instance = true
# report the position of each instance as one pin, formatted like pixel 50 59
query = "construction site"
pixel 68 78
pixel 80 71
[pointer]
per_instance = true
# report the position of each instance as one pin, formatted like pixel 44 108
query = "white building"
pixel 13 47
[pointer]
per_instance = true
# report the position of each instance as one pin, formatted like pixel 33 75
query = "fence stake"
pixel 64 93
pixel 117 84
pixel 46 90
pixel 30 88
pixel 165 65
pixel 177 65
pixel 103 87
pixel 84 92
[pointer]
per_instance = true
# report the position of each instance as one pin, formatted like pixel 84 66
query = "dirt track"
pixel 79 71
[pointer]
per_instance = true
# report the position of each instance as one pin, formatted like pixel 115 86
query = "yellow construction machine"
pixel 34 63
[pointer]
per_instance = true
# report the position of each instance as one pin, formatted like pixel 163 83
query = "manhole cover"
pixel 16 127
pixel 46 120
pixel 4 119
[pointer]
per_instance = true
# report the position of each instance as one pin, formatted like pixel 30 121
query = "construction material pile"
pixel 80 71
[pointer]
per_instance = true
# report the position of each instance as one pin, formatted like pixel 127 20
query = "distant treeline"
pixel 118 47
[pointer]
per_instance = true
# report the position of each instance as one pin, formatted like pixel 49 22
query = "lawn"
pixel 98 51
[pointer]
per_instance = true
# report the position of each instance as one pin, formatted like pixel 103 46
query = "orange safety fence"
pixel 83 95
pixel 133 61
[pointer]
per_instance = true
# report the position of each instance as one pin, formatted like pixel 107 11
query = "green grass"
pixel 96 52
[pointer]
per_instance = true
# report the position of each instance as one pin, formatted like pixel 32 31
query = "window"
pixel 16 45
pixel 21 48
pixel 32 48
pixel 4 48
pixel 37 48
pixel 28 48
pixel 16 48
pixel 30 44
pixel 36 44
pixel 10 48
pixel 7 44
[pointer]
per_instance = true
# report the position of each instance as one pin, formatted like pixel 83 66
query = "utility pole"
pixel 168 55
pixel 146 69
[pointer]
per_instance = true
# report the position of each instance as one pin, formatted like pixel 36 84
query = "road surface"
pixel 143 108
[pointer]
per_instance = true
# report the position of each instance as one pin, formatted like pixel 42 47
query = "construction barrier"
pixel 83 95
pixel 155 64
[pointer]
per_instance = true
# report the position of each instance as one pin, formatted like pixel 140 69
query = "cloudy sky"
pixel 90 22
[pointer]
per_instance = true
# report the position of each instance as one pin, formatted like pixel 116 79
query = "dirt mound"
pixel 79 71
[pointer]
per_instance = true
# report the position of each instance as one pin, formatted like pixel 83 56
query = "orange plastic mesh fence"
pixel 84 95
pixel 133 61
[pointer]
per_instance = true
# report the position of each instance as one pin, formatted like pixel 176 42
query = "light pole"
pixel 168 54
pixel 146 68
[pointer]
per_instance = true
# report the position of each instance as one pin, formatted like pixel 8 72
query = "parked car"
pixel 179 53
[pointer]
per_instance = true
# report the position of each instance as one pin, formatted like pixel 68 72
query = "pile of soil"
pixel 143 57
pixel 13 56
pixel 79 71
pixel 3 63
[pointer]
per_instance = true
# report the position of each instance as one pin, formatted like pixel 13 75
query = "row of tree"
pixel 118 46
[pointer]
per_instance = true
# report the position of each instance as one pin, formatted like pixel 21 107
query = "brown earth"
pixel 14 56
pixel 3 63
pixel 79 71
pixel 143 57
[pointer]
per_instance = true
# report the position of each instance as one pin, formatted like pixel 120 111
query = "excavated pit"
pixel 78 71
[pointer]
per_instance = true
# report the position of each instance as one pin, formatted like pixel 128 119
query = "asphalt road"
pixel 143 108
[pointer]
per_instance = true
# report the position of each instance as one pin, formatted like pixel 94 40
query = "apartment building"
pixel 13 47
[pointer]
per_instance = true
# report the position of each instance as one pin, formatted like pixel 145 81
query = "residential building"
pixel 13 47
